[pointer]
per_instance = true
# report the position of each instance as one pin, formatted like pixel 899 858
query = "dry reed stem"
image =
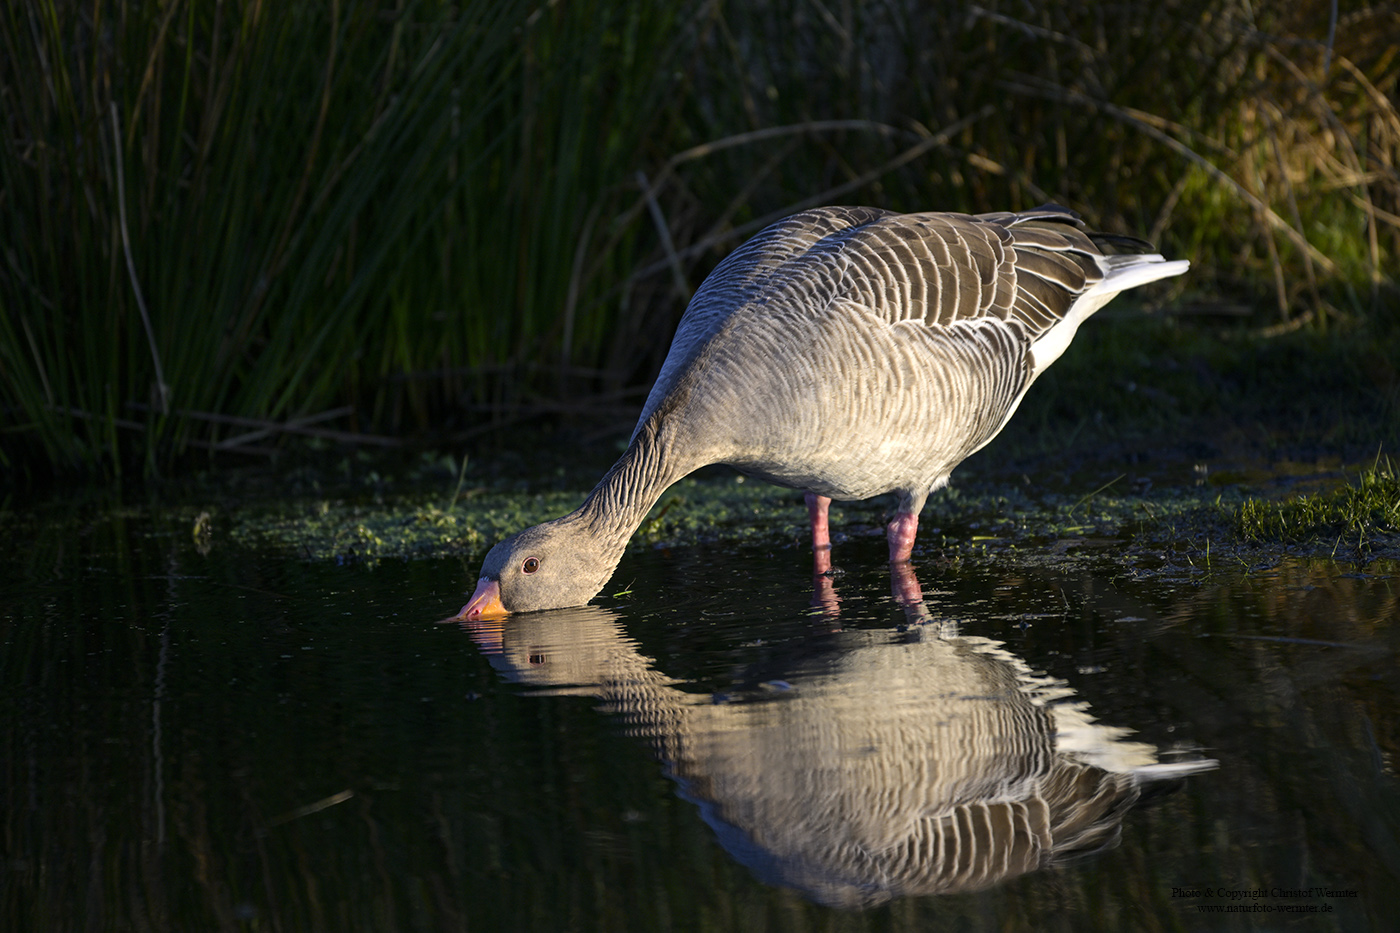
pixel 1293 208
pixel 287 426
pixel 1348 172
pixel 90 416
pixel 38 360
pixel 1032 30
pixel 1275 261
pixel 702 150
pixel 1057 92
pixel 743 195
pixel 938 139
pixel 162 390
pixel 1164 213
pixel 1331 37
pixel 309 809
pixel 575 286
pixel 278 252
pixel 296 426
pixel 664 233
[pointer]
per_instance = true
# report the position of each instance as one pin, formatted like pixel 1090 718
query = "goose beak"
pixel 485 602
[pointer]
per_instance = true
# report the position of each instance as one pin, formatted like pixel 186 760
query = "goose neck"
pixel 618 504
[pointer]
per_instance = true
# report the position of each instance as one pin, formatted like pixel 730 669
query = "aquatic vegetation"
pixel 341 528
pixel 1355 513
pixel 980 520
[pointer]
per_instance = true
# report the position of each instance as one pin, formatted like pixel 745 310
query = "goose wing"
pixel 942 268
pixel 1032 275
pixel 755 268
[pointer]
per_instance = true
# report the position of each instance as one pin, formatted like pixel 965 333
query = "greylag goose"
pixel 843 351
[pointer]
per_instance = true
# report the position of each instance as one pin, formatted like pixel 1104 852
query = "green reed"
pixel 227 222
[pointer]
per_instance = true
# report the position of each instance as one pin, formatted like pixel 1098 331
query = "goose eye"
pixel 531 565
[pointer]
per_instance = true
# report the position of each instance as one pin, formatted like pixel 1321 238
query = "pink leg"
pixel 901 534
pixel 904 586
pixel 817 507
pixel 823 588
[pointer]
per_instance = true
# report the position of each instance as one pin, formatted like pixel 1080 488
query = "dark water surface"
pixel 229 741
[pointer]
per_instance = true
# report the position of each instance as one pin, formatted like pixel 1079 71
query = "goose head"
pixel 554 565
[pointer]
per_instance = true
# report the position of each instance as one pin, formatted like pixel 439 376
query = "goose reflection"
pixel 869 765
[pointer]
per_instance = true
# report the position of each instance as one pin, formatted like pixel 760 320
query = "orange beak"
pixel 485 602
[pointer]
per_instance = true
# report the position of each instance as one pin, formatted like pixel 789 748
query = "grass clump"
pixel 1367 509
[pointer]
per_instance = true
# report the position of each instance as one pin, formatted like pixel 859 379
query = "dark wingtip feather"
pixel 1120 244
pixel 1052 212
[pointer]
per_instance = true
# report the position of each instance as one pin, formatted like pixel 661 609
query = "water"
pixel 233 741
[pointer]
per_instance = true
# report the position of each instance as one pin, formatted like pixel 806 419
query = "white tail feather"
pixel 1145 269
pixel 1123 273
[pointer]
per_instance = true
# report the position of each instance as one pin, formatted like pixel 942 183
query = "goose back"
pixel 855 351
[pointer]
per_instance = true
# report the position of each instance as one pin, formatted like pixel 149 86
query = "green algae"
pixel 1190 521
pixel 1222 517
pixel 981 519
pixel 403 527
pixel 413 525
pixel 1189 529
